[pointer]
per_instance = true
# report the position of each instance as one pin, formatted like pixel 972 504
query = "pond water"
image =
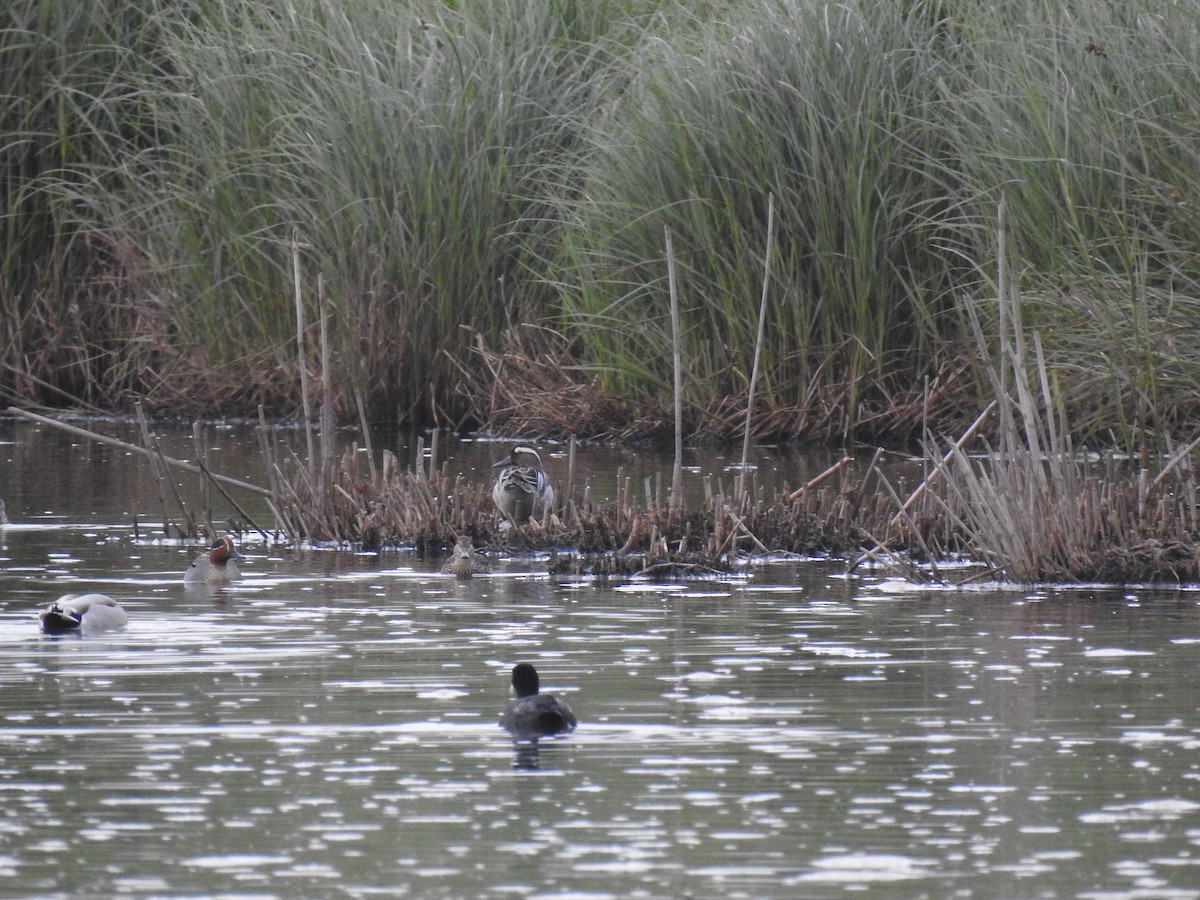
pixel 327 727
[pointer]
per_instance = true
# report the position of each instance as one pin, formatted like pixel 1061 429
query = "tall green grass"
pixel 827 107
pixel 1087 117
pixel 65 71
pixel 456 168
pixel 413 150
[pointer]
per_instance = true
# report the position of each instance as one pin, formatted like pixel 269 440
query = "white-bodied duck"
pixel 532 714
pixel 217 566
pixel 88 613
pixel 522 488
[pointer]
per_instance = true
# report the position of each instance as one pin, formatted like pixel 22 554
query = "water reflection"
pixel 329 726
pixel 530 751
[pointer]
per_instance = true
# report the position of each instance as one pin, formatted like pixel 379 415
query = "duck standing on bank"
pixel 464 560
pixel 88 613
pixel 522 488
pixel 532 714
pixel 217 566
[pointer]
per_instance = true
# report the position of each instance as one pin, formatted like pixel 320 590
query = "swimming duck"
pixel 531 713
pixel 83 612
pixel 522 487
pixel 216 566
pixel 464 561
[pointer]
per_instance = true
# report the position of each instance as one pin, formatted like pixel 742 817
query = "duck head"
pixel 521 455
pixel 525 680
pixel 223 551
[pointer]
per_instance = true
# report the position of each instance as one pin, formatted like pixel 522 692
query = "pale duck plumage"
pixel 88 613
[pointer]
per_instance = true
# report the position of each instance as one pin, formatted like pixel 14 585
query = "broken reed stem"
pixel 570 491
pixel 920 489
pixel 824 476
pixel 362 423
pixel 677 362
pixel 1173 462
pixel 202 462
pixel 433 454
pixel 956 447
pixel 758 340
pixel 237 506
pixel 914 530
pixel 164 480
pixel 132 448
pixel 298 296
pixel 327 446
pixel 162 494
pixel 274 500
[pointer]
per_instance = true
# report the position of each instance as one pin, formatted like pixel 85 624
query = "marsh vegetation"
pixel 458 215
pixel 473 197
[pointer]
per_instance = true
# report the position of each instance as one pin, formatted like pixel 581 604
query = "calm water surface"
pixel 327 727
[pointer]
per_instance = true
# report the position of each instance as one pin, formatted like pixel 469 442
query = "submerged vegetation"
pixel 472 201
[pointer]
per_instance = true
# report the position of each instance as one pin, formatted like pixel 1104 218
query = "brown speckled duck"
pixel 464 560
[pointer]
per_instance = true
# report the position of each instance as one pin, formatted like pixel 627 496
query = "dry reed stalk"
pixel 570 489
pixel 270 466
pixel 930 478
pixel 758 340
pixel 301 360
pixel 166 484
pixel 1020 506
pixel 362 424
pixel 328 447
pixel 677 366
pixel 132 448
pixel 828 473
pixel 202 461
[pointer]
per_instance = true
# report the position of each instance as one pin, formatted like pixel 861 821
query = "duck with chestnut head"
pixel 217 566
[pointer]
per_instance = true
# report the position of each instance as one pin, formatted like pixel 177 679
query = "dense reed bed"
pixel 425 506
pixel 448 181
pixel 1014 515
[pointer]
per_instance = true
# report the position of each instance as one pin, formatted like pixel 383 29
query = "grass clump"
pixel 409 152
pixel 826 108
pixel 74 329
